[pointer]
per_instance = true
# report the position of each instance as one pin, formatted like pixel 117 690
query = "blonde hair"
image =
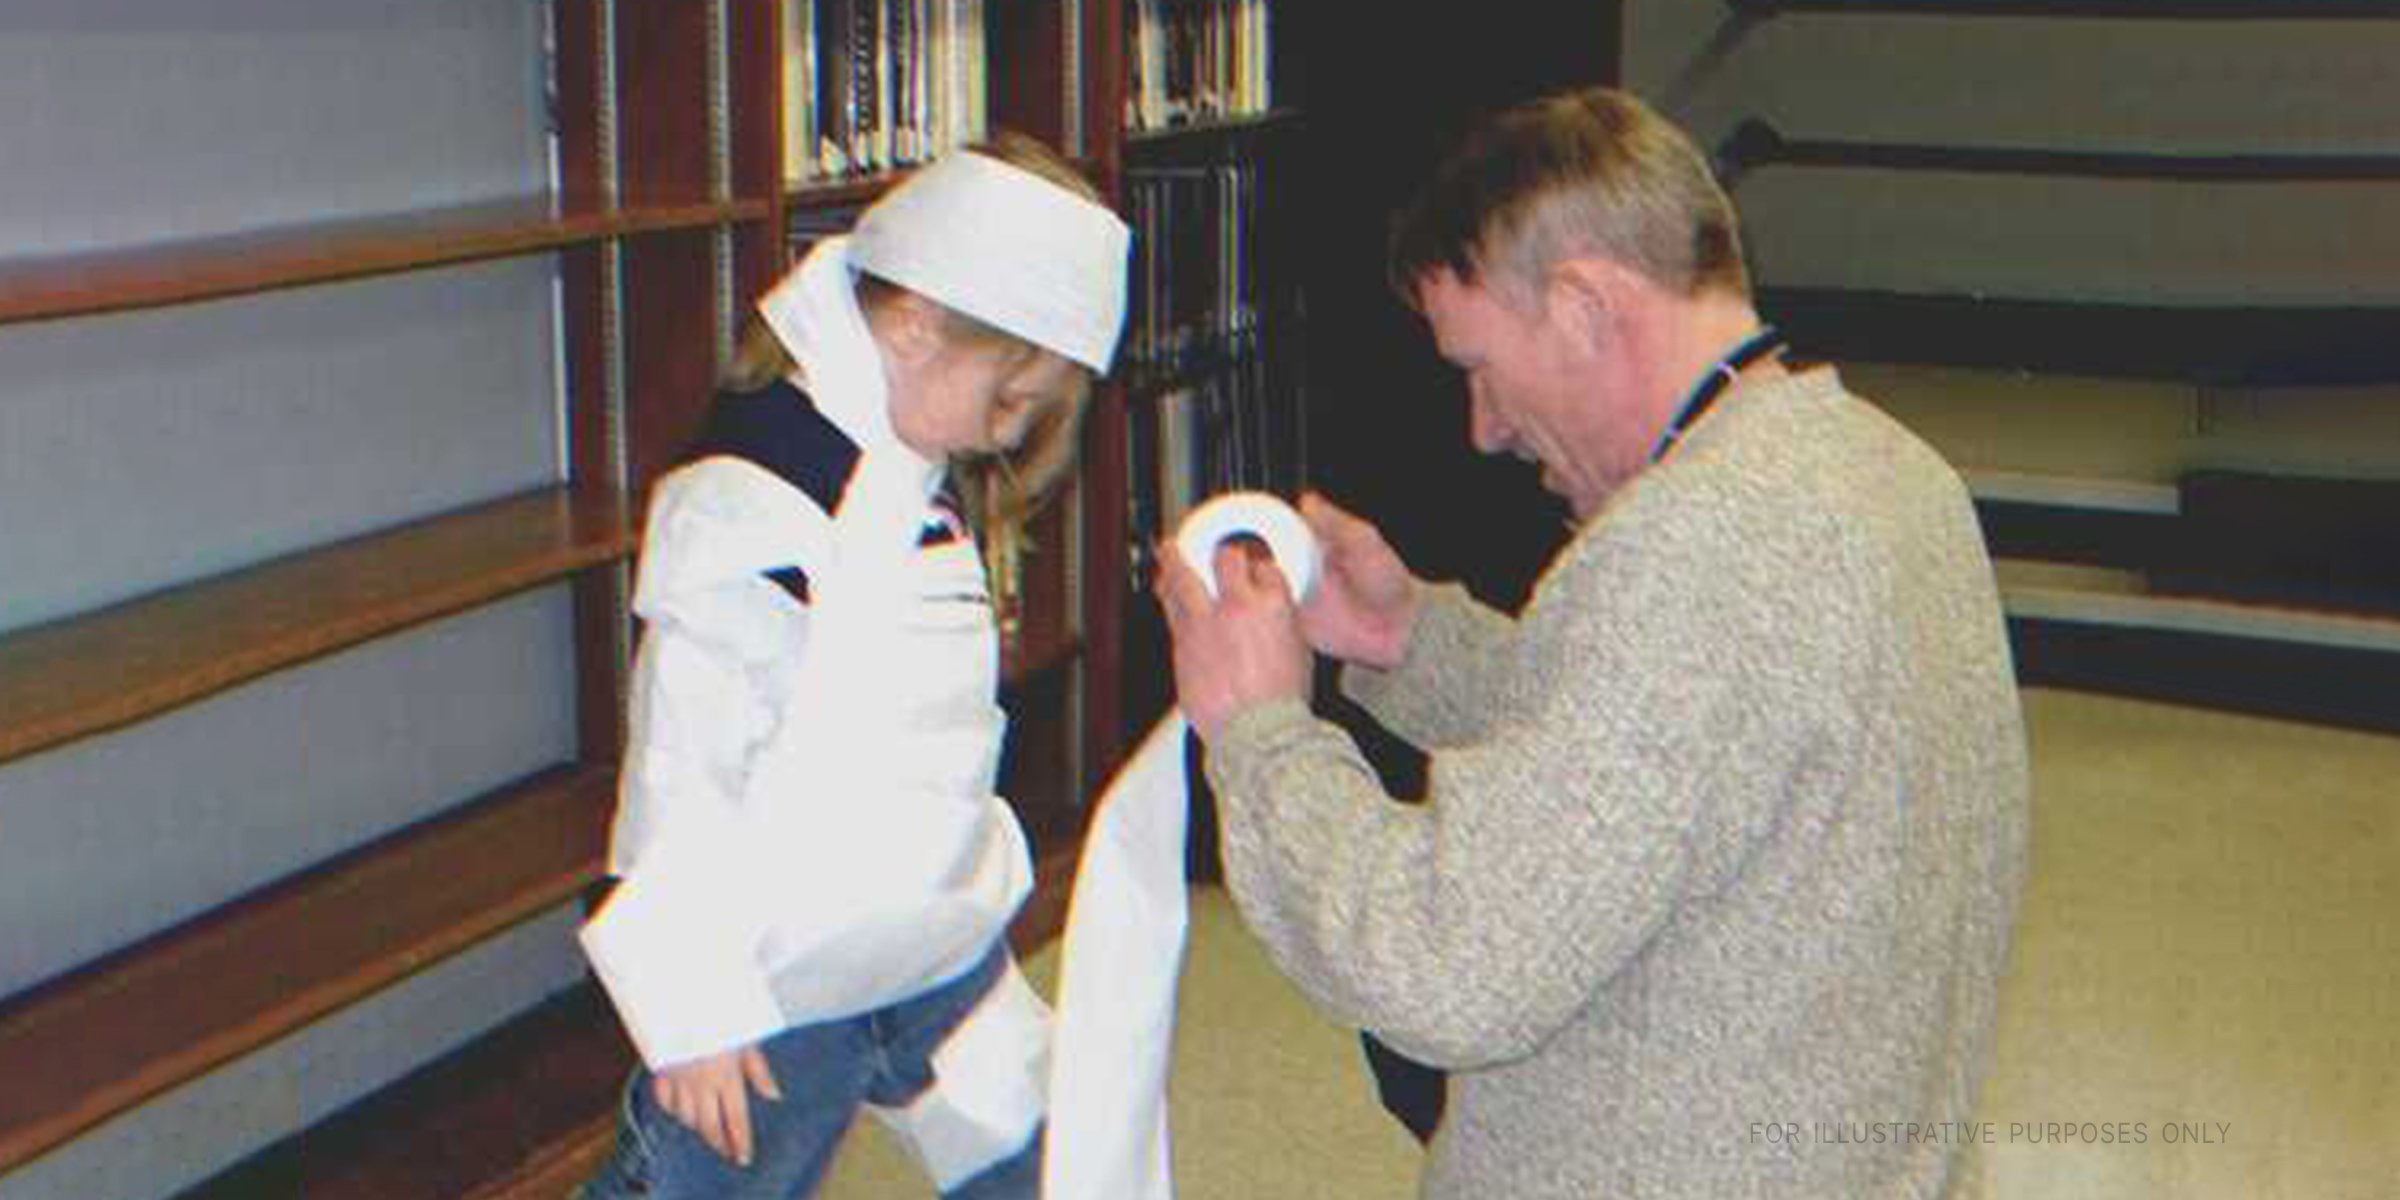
pixel 1592 171
pixel 1002 491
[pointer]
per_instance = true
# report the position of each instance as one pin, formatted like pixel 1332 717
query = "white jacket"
pixel 806 827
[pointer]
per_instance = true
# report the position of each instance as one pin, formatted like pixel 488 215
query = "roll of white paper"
pixel 1123 951
pixel 1256 514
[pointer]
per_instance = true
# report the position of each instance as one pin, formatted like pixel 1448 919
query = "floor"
pixel 2208 965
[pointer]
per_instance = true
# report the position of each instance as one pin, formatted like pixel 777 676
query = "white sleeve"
pixel 677 943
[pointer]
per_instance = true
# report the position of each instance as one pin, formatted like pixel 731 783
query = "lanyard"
pixel 1704 393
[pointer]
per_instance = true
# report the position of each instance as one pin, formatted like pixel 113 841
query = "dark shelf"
pixel 1757 144
pixel 2219 345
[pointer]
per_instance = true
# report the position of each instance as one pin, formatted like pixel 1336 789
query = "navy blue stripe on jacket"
pixel 781 429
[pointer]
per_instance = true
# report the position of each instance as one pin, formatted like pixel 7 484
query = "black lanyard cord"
pixel 1713 384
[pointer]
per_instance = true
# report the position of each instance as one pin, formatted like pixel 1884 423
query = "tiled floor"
pixel 2210 948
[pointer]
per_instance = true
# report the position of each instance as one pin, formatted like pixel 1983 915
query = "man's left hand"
pixel 1235 652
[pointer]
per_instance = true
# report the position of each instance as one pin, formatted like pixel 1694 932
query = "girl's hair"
pixel 1004 491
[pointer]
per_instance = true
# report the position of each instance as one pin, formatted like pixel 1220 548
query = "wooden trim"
pixel 1106 537
pixel 670 352
pixel 2226 346
pixel 575 66
pixel 1105 75
pixel 86 674
pixel 103 1039
pixel 754 94
pixel 1025 40
pixel 181 272
pixel 663 146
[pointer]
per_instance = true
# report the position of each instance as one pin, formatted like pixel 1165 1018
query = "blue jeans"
pixel 825 1072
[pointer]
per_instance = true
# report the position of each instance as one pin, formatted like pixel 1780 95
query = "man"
pixel 1725 832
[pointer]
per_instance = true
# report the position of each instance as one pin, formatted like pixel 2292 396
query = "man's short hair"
pixel 1588 172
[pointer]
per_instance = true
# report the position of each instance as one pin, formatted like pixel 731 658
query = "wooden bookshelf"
pixel 129 1026
pixel 177 272
pixel 87 674
pixel 666 218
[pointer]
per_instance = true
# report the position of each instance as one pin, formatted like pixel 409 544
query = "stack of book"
pixel 1195 61
pixel 872 85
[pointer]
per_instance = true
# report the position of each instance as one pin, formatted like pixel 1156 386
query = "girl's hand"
pixel 711 1097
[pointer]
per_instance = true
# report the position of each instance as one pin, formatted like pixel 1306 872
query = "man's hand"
pixel 709 1096
pixel 1365 604
pixel 1238 651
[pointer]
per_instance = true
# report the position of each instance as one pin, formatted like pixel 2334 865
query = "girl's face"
pixel 971 396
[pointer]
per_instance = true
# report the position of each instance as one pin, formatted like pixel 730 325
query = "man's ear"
pixel 1584 299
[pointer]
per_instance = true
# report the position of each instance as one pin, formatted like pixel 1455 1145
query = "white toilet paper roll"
pixel 1123 951
pixel 1257 514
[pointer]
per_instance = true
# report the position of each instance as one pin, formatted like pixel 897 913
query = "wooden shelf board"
pixel 101 1040
pixel 87 674
pixel 183 271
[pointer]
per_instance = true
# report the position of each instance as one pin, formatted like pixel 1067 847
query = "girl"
pixel 816 878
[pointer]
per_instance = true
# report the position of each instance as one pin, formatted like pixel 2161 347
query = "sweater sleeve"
pixel 677 943
pixel 1440 695
pixel 1553 846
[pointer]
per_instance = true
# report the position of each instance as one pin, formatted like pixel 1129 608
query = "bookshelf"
pixel 578 162
pixel 439 570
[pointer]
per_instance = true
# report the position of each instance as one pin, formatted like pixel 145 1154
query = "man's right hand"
pixel 711 1096
pixel 1365 604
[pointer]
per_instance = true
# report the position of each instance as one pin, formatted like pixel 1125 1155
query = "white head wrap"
pixel 1006 247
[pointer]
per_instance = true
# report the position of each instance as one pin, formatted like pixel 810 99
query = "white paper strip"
pixel 1114 1030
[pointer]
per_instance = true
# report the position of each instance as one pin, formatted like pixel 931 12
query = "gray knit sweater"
pixel 1724 839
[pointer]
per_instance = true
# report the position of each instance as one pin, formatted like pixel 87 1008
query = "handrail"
pixel 1757 143
pixel 2176 10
